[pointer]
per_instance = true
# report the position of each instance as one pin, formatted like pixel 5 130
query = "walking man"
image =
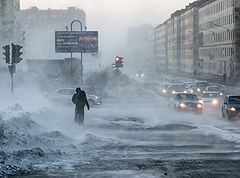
pixel 80 100
pixel 224 78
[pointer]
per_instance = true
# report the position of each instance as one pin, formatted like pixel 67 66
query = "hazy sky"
pixel 112 17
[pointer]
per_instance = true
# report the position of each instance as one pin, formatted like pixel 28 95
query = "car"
pixel 212 99
pixel 201 86
pixel 186 102
pixel 190 88
pixel 231 107
pixel 140 74
pixel 64 95
pixel 215 89
pixel 175 88
pixel 163 88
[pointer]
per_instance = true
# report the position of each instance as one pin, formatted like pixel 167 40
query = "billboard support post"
pixel 81 81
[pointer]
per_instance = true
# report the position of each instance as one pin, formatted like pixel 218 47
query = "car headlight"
pixel 182 105
pixel 184 91
pixel 198 89
pixel 136 75
pixel 96 97
pixel 164 91
pixel 215 102
pixel 200 101
pixel 199 106
pixel 173 92
pixel 221 94
pixel 191 91
pixel 142 75
pixel 232 109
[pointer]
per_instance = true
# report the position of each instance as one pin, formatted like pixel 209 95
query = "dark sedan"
pixel 231 107
pixel 186 102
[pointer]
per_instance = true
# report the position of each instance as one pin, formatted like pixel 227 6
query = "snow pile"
pixel 91 141
pixel 24 143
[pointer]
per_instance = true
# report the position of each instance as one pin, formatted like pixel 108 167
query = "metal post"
pixel 81 52
pixel 11 83
pixel 81 70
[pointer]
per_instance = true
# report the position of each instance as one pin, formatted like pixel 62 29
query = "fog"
pixel 134 131
pixel 112 19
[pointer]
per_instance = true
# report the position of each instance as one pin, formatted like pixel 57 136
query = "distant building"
pixel 161 47
pixel 177 40
pixel 173 47
pixel 9 22
pixel 140 42
pixel 189 42
pixel 38 29
pixel 219 24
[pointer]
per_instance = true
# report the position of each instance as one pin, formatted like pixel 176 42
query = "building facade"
pixel 38 29
pixel 179 50
pixel 161 47
pixel 219 26
pixel 189 41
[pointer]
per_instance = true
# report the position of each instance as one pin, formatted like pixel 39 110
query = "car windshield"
pixel 213 89
pixel 202 84
pixel 209 95
pixel 164 85
pixel 234 100
pixel 183 96
pixel 177 87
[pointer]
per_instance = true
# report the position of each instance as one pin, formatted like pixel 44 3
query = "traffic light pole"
pixel 11 73
pixel 15 58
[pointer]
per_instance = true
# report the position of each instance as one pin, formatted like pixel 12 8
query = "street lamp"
pixel 213 33
pixel 217 25
pixel 208 30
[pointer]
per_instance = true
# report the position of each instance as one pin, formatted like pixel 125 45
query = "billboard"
pixel 76 41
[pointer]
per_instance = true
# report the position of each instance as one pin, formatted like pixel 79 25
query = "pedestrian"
pixel 80 100
pixel 224 77
pixel 194 73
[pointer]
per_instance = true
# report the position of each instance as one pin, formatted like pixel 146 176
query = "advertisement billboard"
pixel 76 41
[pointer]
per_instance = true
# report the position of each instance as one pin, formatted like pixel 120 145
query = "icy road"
pixel 124 137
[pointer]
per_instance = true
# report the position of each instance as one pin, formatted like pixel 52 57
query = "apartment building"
pixel 219 26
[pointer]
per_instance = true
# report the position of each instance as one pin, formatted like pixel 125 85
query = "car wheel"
pixel 91 103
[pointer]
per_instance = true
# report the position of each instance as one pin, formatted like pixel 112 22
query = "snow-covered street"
pixel 125 136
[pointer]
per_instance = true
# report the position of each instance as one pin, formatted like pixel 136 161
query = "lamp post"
pixel 81 27
pixel 213 33
pixel 217 25
pixel 208 30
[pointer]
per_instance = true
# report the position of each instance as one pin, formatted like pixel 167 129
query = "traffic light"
pixel 16 53
pixel 113 65
pixel 119 62
pixel 6 53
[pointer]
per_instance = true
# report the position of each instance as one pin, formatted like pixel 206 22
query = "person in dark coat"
pixel 80 100
pixel 224 77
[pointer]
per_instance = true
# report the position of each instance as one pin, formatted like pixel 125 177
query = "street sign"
pixel 76 41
